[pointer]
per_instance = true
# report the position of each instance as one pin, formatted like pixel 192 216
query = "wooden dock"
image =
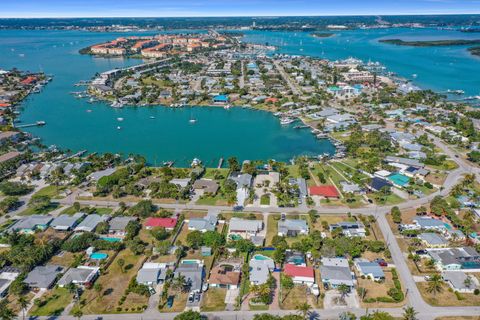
pixel 220 163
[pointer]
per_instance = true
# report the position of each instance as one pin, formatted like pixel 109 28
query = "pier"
pixel 220 163
pixel 36 124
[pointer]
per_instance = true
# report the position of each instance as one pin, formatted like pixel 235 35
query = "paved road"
pixel 287 79
pixel 414 297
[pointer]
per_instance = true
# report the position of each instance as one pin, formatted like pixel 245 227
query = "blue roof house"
pixel 221 98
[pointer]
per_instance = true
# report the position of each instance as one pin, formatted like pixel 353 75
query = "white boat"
pixel 227 107
pixel 196 162
pixel 88 110
pixel 117 104
pixel 286 121
pixel 119 128
pixel 152 117
pixel 119 119
pixel 192 120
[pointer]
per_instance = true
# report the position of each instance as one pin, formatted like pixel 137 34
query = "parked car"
pixel 315 290
pixel 381 262
pixel 191 297
pixel 170 302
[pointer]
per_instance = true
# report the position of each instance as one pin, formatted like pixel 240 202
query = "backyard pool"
pixel 111 239
pixel 98 256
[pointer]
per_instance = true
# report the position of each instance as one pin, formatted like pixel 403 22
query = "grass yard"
pixel 390 199
pixel 210 173
pixel 56 301
pixel 179 302
pixel 294 298
pixel 214 300
pixel 447 297
pixel 65 260
pixel 436 178
pixel 272 228
pixel 14 305
pixel 114 282
pixel 265 200
pixel 376 290
pixel 30 211
pixel 218 200
pixel 51 191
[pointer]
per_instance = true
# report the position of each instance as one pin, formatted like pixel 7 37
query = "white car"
pixel 315 290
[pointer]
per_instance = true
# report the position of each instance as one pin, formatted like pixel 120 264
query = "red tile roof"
pixel 298 271
pixel 161 222
pixel 325 191
pixel 29 80
pixel 4 105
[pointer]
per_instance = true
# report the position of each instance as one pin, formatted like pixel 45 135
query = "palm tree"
pixel 179 282
pixel 5 312
pixel 344 290
pixel 303 309
pixel 77 313
pixel 23 305
pixel 435 284
pixel 409 313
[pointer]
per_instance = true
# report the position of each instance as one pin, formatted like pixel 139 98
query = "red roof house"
pixel 167 223
pixel 4 105
pixel 324 191
pixel 299 274
pixel 271 100
pixel 29 80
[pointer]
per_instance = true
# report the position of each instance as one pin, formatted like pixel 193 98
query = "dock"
pixel 36 124
pixel 220 163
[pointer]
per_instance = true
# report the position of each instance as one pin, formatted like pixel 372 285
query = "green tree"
pixel 121 263
pixel 195 239
pixel 23 303
pixel 409 313
pixel 304 309
pixel 39 203
pixel 287 284
pixel 435 284
pixel 344 290
pixel 77 313
pixel 188 315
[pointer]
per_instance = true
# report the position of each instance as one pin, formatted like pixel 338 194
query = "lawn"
pixel 114 282
pixel 218 200
pixel 214 300
pixel 390 199
pixel 179 302
pixel 447 297
pixel 272 228
pixel 50 191
pixel 265 200
pixel 30 211
pixel 376 290
pixel 56 301
pixel 294 298
pixel 65 259
pixel 210 173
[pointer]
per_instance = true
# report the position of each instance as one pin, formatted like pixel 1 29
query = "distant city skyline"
pixel 221 8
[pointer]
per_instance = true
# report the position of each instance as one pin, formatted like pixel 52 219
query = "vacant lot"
pixel 214 299
pixel 376 290
pixel 447 297
pixel 56 301
pixel 114 283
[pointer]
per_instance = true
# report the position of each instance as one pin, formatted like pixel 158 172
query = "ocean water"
pixel 245 133
pixel 437 68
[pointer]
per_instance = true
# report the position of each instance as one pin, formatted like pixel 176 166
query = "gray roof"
pixel 457 280
pixel 406 161
pixel 241 179
pixel 207 223
pixel 260 270
pixel 428 222
pixel 370 268
pixel 91 222
pixel 78 275
pixel 433 238
pixel 237 224
pixel 43 277
pixel 210 186
pixel 302 185
pixel 97 175
pixel 65 221
pixel 292 225
pixel 336 275
pixel 119 223
pixel 150 275
pixel 193 274
pixel 31 222
pixel 450 256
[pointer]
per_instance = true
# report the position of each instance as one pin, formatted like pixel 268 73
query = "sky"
pixel 211 8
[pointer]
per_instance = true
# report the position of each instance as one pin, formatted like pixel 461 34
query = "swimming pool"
pixel 260 257
pixel 111 239
pixel 399 179
pixel 98 256
pixel 192 261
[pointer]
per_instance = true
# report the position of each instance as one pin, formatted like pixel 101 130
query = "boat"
pixel 285 121
pixel 117 104
pixel 227 107
pixel 457 92
pixel 152 117
pixel 196 162
pixel 89 110
pixel 119 119
pixel 192 120
pixel 41 123
pixel 119 128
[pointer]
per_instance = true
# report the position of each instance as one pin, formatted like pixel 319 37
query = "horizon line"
pixel 248 16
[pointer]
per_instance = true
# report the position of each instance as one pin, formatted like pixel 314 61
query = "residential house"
pixel 244 183
pixel 377 184
pixel 90 222
pixel 43 277
pixel 167 223
pixel 455 258
pixel 460 281
pixel 193 273
pixel 301 184
pixel 336 271
pixel 207 223
pixel 152 273
pixel 295 257
pixel 429 223
pixel 349 229
pixel 292 227
pixel 433 240
pixel 300 274
pixel 32 223
pixel 7 276
pixel 369 269
pixel 66 222
pixel 83 276
pixel 328 191
pixel 117 225
pixel 205 186
pixel 244 228
pixel 225 276
pixel 260 268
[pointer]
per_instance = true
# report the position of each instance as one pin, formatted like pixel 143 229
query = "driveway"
pixel 231 298
pixel 332 300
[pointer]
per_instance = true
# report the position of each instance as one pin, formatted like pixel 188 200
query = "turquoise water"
pixel 437 68
pixel 260 257
pixel 98 256
pixel 218 133
pixel 111 239
pixel 399 179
